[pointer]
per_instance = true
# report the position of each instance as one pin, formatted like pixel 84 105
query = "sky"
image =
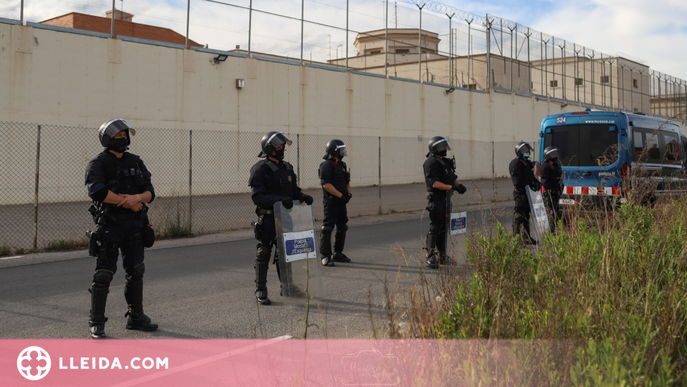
pixel 653 33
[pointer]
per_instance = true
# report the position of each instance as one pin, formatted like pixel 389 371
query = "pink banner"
pixel 277 362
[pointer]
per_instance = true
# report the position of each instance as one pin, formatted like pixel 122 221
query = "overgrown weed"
pixel 601 302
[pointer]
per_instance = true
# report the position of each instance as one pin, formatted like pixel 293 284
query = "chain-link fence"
pixel 419 40
pixel 201 178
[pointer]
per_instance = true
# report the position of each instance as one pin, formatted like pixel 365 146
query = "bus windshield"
pixel 584 145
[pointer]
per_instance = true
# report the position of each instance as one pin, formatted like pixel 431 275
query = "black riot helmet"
pixel 523 148
pixel 438 146
pixel 271 141
pixel 335 147
pixel 550 154
pixel 108 130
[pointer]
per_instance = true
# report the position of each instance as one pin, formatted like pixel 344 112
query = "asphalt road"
pixel 203 287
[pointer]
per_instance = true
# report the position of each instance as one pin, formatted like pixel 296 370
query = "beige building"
pixel 612 81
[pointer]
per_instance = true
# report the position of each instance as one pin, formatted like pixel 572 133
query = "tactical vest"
pixel 447 176
pixel 279 181
pixel 340 175
pixel 123 175
pixel 526 176
pixel 551 176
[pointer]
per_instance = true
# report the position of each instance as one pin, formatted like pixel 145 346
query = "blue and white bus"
pixel 605 153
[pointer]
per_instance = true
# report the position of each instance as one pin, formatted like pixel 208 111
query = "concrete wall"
pixel 73 83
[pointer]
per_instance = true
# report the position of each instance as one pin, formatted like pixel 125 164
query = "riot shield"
pixel 299 266
pixel 539 222
pixel 456 224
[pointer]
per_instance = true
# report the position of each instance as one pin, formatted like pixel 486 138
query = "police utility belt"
pixel 433 197
pixel 101 214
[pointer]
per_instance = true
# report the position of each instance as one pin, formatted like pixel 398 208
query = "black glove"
pixel 344 199
pixel 460 188
pixel 287 202
pixel 307 199
pixel 536 186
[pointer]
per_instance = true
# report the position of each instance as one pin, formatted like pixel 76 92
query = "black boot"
pixel 98 300
pixel 133 293
pixel 326 246
pixel 339 242
pixel 431 248
pixel 261 282
pixel 99 290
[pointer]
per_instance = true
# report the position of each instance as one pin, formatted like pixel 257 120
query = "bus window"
pixel 638 142
pixel 565 139
pixel 598 145
pixel 671 155
pixel 650 152
pixel 584 145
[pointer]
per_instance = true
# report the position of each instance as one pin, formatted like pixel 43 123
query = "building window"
pixel 375 52
pixel 553 83
pixel 579 81
pixel 402 51
pixel 635 84
pixel 605 79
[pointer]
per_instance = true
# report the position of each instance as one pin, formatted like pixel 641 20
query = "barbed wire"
pixel 495 21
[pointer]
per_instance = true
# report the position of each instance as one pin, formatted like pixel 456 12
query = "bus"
pixel 607 155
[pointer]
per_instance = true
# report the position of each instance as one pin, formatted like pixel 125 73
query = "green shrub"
pixel 615 289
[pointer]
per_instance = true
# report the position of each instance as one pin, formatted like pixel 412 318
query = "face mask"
pixel 118 145
pixel 279 154
pixel 442 153
pixel 526 155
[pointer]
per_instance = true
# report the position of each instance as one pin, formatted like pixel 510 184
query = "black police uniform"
pixel 118 229
pixel 270 182
pixel 552 181
pixel 335 213
pixel 441 170
pixel 522 172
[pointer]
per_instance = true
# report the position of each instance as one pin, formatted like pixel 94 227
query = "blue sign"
pixel 561 119
pixel 299 246
pixel 459 223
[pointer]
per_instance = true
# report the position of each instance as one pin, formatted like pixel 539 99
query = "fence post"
pixel 188 22
pixel 190 180
pixel 493 173
pixel 302 25
pixel 112 35
pixel 35 205
pixel 250 22
pixel 419 57
pixel 488 28
pixel 379 164
pixel 298 159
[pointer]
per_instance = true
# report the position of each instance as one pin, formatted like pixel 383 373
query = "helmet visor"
pixel 524 148
pixel 342 150
pixel 278 139
pixel 112 127
pixel 551 154
pixel 441 145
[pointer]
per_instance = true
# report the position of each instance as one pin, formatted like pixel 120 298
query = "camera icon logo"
pixel 33 363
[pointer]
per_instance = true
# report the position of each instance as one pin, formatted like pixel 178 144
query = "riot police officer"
pixel 522 172
pixel 119 184
pixel 336 189
pixel 439 177
pixel 271 180
pixel 552 181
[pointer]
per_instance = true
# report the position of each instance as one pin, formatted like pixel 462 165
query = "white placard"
pixel 299 245
pixel 459 223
